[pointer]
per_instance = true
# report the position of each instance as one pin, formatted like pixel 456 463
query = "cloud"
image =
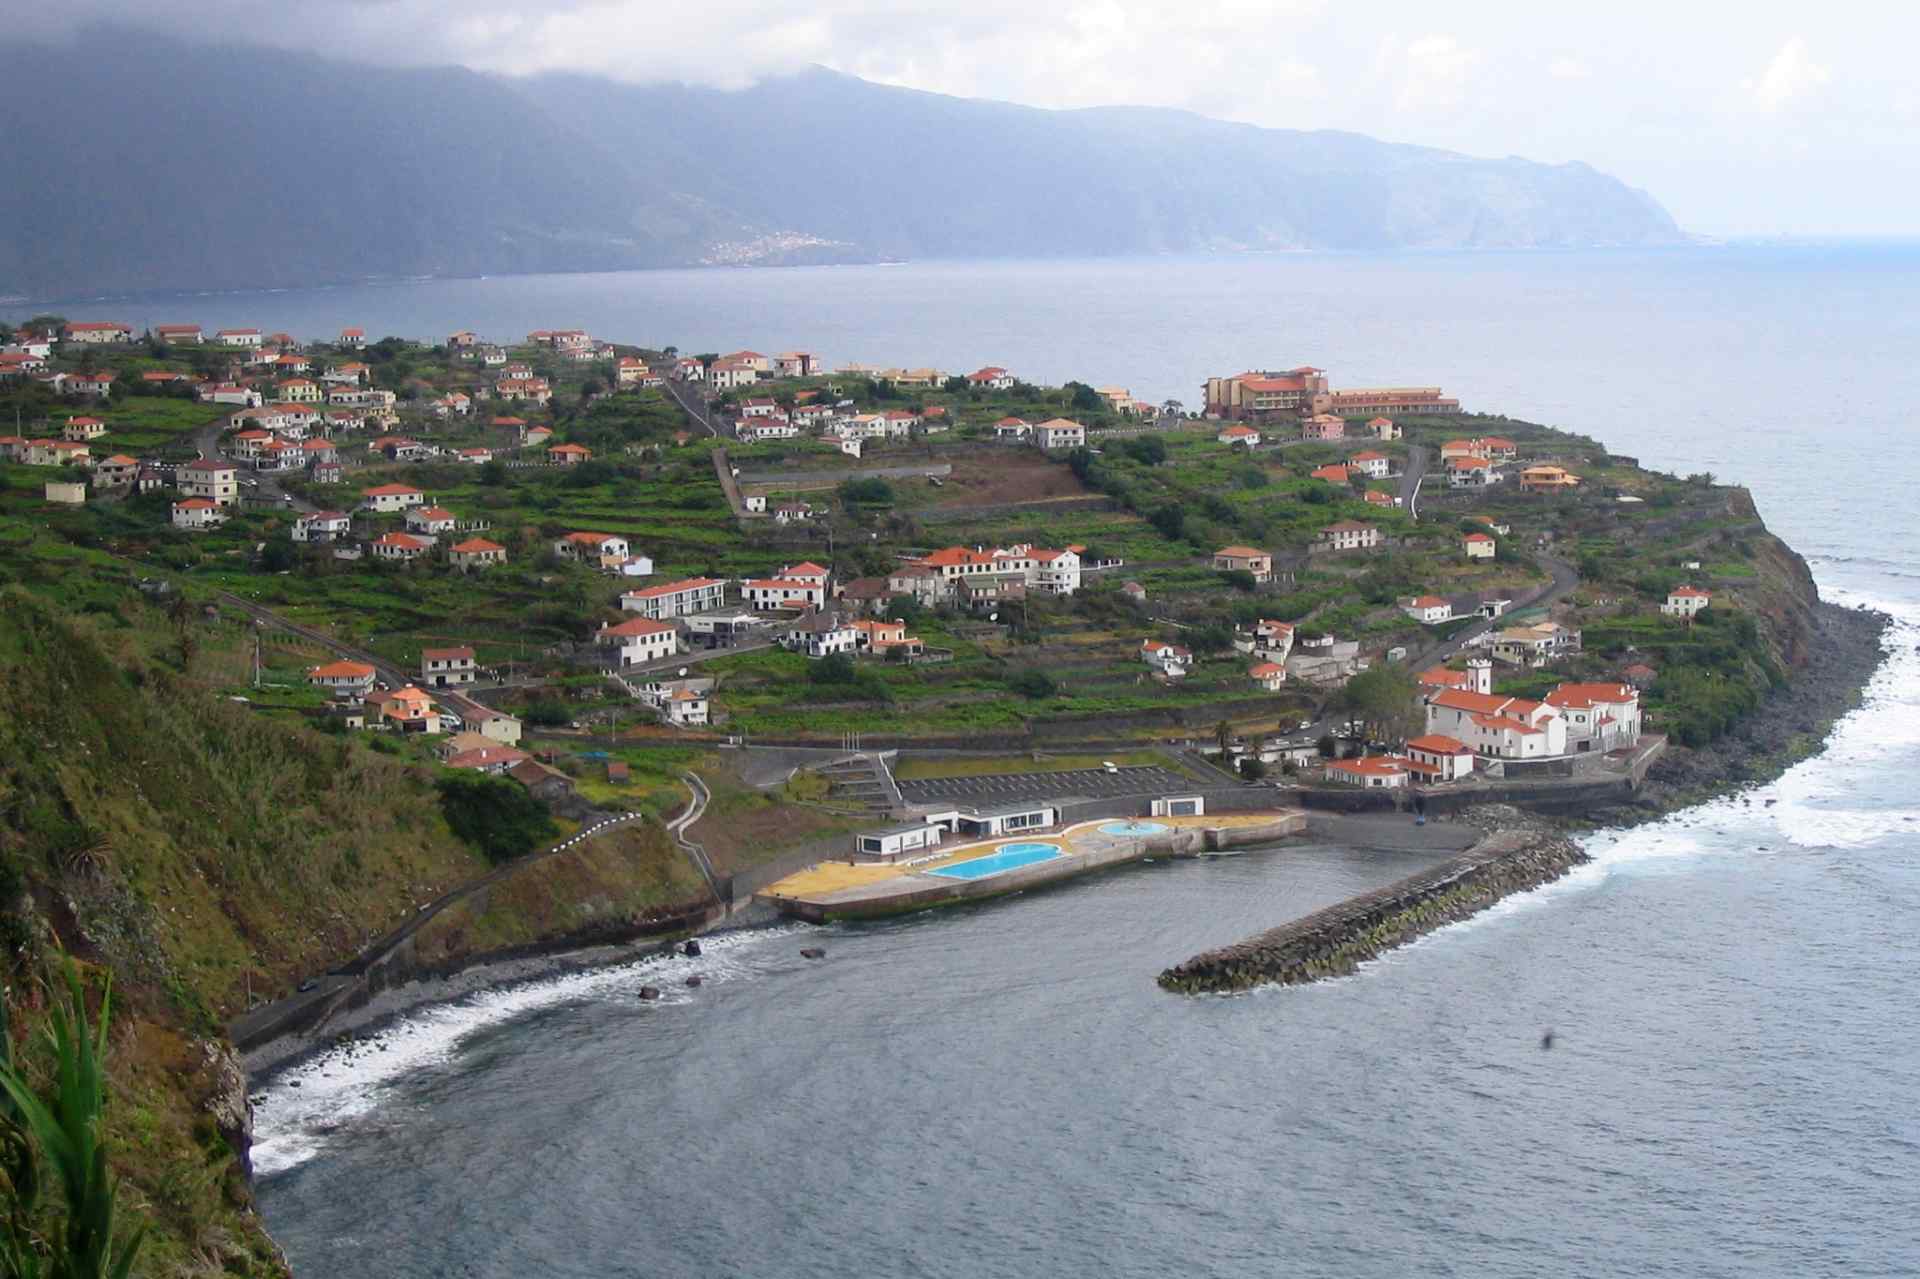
pixel 1433 73
pixel 1790 76
pixel 1568 68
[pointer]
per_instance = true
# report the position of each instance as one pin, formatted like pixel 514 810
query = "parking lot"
pixel 999 788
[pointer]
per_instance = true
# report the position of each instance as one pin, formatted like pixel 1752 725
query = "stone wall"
pixel 1335 941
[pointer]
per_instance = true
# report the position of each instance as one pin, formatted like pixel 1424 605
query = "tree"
pixel 1084 398
pixel 1033 684
pixel 1385 699
pixel 1223 733
pixel 834 668
pixel 497 816
pixel 1253 768
pixel 493 473
pixel 60 1134
pixel 1148 450
pixel 1170 521
pixel 278 556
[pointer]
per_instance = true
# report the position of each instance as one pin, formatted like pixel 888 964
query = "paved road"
pixel 692 399
pixel 253 484
pixel 1410 481
pixel 1565 579
pixel 1008 788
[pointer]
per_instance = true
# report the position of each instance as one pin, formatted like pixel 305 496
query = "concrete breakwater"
pixel 1335 941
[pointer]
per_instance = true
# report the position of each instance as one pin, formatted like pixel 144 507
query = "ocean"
pixel 1004 1090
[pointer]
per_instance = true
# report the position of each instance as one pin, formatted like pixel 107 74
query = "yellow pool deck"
pixel 828 878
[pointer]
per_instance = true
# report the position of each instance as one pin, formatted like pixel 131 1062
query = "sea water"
pixel 1004 1090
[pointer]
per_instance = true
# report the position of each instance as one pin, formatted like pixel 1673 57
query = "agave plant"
pixel 55 1141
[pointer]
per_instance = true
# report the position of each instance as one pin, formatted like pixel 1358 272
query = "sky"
pixel 1756 118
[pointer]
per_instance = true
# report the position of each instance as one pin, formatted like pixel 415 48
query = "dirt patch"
pixel 1001 478
pixel 743 828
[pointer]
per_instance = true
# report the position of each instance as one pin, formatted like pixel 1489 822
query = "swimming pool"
pixel 1010 857
pixel 1135 828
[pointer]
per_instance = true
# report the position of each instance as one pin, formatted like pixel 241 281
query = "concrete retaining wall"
pixel 1333 942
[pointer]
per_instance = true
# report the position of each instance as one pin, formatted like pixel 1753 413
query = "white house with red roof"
pixel 1498 727
pixel 344 679
pixel 206 477
pixel 400 546
pixel 198 513
pixel 1600 717
pixel 1471 473
pixel 784 591
pixel 322 526
pixel 1012 428
pixel 1428 610
pixel 83 429
pixel 1476 678
pixel 1247 435
pixel 591 548
pixel 1268 675
pixel 447 667
pixel 1374 465
pixel 1348 535
pixel 178 334
pixel 1479 546
pixel 990 378
pixel 1168 660
pixel 352 338
pixel 476 552
pixel 1059 433
pixel 1383 429
pixel 1375 772
pixel 1685 601
pixel 229 393
pixel 1435 757
pixel 430 520
pixel 676 599
pixel 99 385
pixel 238 337
pixel 388 498
pixel 1267 639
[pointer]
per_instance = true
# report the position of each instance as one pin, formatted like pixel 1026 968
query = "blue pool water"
pixel 1135 828
pixel 1011 857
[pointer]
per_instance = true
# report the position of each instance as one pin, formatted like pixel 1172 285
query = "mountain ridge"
pixel 175 166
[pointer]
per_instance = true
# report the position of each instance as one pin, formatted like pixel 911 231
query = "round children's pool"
pixel 1135 828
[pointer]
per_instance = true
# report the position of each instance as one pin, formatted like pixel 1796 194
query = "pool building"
pixel 929 830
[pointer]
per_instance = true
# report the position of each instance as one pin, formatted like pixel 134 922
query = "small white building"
pixel 1169 660
pixel 640 639
pixel 1479 546
pixel 1375 772
pixel 1435 757
pixel 895 842
pixel 1059 433
pixel 1685 601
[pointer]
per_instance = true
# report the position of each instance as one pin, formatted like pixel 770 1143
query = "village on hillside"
pixel 546 557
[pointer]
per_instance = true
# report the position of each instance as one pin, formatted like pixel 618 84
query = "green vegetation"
pixel 495 815
pixel 56 1138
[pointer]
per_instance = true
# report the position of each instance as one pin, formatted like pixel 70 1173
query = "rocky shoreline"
pixel 1791 724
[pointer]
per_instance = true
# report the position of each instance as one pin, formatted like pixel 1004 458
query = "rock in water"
pixel 695 980
pixel 649 992
pixel 691 950
pixel 812 952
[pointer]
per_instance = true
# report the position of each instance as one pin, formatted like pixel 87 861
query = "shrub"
pixel 1034 684
pixel 496 816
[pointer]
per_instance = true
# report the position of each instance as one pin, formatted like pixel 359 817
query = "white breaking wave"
pixel 1793 810
pixel 301 1107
